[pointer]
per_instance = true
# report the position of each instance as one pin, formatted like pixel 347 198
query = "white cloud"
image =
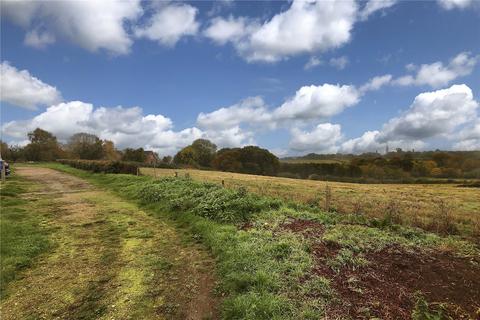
pixel 340 63
pixel 90 24
pixel 170 23
pixel 231 137
pixel 437 74
pixel 22 89
pixel 432 114
pixel 373 6
pixel 306 27
pixel 312 63
pixel 323 139
pixel 455 4
pixel 317 102
pixel 376 83
pixel 469 137
pixel 126 127
pixel 250 110
pixel 223 30
pixel 38 39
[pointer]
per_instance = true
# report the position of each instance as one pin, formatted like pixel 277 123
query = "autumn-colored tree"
pixel 43 146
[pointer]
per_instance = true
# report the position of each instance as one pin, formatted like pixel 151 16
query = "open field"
pixel 443 208
pixel 73 251
pixel 275 260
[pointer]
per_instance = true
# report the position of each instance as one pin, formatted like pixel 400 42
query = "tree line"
pixel 399 165
pixel 44 146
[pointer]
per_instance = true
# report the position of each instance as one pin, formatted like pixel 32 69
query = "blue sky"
pixel 180 62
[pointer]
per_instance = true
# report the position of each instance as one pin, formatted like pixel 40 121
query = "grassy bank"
pixel 269 267
pixel 22 233
pixel 440 208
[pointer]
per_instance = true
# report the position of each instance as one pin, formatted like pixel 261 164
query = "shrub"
pixel 206 199
pixel 105 166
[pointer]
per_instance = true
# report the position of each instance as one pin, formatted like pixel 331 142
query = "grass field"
pixel 442 208
pixel 276 260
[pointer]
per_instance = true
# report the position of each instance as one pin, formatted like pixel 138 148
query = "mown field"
pixel 441 208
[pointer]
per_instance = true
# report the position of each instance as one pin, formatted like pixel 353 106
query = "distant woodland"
pixel 394 166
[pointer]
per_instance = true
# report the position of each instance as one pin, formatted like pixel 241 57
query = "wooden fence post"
pixel 328 197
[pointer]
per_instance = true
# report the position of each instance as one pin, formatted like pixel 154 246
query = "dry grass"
pixel 420 205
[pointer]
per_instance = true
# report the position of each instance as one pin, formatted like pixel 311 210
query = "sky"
pixel 294 77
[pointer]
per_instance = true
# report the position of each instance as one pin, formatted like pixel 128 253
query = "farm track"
pixel 110 260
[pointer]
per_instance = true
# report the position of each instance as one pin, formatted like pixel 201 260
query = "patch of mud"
pixel 307 228
pixel 385 288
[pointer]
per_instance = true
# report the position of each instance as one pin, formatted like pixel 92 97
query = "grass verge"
pixel 22 235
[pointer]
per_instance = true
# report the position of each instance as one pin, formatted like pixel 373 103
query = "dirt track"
pixel 110 260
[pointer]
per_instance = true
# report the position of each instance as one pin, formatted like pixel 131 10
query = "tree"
pixel 250 159
pixel 86 146
pixel 204 152
pixel 136 155
pixel 186 156
pixel 43 146
pixel 199 154
pixel 109 151
pixel 167 159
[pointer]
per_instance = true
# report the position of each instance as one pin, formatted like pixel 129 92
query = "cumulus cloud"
pixel 222 30
pixel 376 83
pixel 92 25
pixel 170 23
pixel 432 114
pixel 469 137
pixel 455 4
pixel 126 127
pixel 317 102
pixel 437 74
pixel 306 27
pixel 310 103
pixel 324 138
pixel 370 141
pixel 21 89
pixel 252 110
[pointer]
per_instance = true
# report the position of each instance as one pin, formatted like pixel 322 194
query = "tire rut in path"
pixel 110 261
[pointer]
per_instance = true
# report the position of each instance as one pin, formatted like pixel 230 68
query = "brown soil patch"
pixel 307 228
pixel 386 287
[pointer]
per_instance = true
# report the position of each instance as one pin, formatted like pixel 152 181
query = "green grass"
pixel 22 236
pixel 263 268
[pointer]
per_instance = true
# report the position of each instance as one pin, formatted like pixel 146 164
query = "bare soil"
pixel 386 287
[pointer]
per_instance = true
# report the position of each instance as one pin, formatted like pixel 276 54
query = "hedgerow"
pixel 105 166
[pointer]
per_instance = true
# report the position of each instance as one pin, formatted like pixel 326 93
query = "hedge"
pixel 105 166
